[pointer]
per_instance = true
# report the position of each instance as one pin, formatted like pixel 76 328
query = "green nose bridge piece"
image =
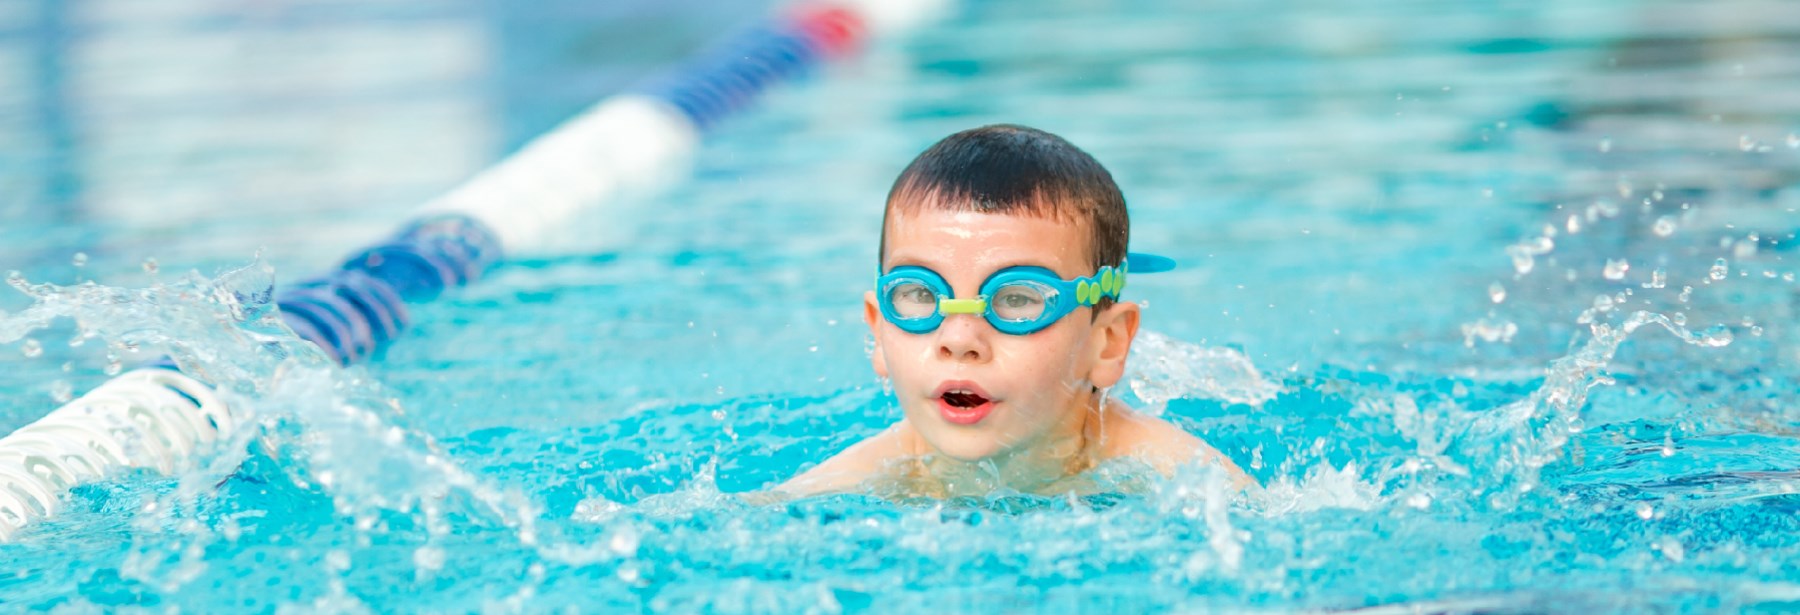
pixel 962 306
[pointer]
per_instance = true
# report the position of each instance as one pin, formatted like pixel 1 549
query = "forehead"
pixel 980 242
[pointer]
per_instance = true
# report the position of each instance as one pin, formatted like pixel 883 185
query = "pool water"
pixel 1493 300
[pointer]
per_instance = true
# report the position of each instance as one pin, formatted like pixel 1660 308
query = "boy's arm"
pixel 1166 447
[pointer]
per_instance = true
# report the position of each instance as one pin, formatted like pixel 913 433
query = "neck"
pixel 1066 452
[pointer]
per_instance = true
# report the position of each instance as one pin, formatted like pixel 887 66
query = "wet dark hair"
pixel 1017 170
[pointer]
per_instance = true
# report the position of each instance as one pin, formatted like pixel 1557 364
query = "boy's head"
pixel 1021 171
pixel 977 209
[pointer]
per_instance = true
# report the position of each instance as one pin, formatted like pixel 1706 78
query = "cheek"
pixel 1044 358
pixel 899 350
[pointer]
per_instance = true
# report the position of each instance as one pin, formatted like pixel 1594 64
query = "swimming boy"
pixel 997 318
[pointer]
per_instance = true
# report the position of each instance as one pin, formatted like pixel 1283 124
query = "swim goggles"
pixel 1015 300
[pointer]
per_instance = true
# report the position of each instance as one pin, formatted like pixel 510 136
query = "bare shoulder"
pixel 1163 445
pixel 853 466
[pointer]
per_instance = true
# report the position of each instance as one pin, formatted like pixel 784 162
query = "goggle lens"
pixel 912 300
pixel 1021 301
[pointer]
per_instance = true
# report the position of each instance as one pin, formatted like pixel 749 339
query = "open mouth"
pixel 964 399
pixel 963 403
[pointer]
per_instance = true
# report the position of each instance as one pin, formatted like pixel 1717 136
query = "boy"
pixel 996 317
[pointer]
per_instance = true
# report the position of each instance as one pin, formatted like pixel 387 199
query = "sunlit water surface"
pixel 1495 303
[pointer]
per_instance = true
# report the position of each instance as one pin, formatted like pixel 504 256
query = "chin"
pixel 964 447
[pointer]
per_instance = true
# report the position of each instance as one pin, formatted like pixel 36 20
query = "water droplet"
pixel 1664 226
pixel 624 542
pixel 80 259
pixel 1679 318
pixel 1522 262
pixel 1658 278
pixel 1720 269
pixel 1615 269
pixel 1668 447
pixel 1715 336
pixel 1574 224
pixel 337 560
pixel 1745 143
pixel 1672 549
pixel 31 348
pixel 1746 248
pixel 61 391
pixel 113 366
pixel 1605 145
pixel 1603 303
pixel 1686 292
pixel 1496 292
pixel 150 265
pixel 1524 254
pixel 428 558
pixel 1645 511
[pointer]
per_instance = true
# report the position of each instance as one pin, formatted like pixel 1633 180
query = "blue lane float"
pixel 354 311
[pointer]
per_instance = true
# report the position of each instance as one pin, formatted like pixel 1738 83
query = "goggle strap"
pixel 1108 282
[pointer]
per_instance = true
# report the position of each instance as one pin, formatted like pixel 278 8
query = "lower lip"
pixel 964 416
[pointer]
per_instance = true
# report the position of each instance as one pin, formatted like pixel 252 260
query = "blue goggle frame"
pixel 1060 296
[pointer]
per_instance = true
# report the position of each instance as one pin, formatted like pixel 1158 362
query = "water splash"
pixel 1201 495
pixel 1719 270
pixel 1664 226
pixel 1615 269
pixel 1514 442
pixel 1490 330
pixel 327 429
pixel 1524 254
pixel 1162 368
pixel 1323 487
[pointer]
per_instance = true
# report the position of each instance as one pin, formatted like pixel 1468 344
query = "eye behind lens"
pixel 1021 302
pixel 912 299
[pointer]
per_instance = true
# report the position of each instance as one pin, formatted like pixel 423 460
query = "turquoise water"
pixel 1416 239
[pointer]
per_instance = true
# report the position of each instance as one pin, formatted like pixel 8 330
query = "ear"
pixel 872 317
pixel 1111 342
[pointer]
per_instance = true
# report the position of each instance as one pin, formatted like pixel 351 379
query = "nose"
pixel 964 338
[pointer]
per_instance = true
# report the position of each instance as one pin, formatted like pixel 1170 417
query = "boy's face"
pixel 969 390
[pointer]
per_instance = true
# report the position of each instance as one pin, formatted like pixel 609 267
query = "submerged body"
pixel 899 462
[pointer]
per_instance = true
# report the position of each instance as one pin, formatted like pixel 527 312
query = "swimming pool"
pixel 1410 220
